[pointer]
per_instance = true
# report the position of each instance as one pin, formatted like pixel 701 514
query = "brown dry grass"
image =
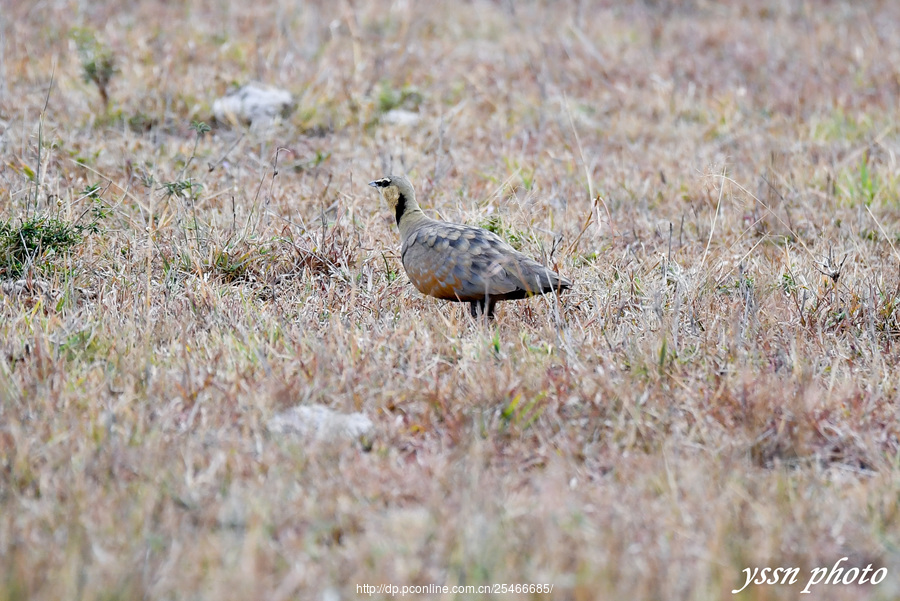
pixel 707 400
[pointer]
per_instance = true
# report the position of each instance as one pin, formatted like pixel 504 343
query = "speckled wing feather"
pixel 459 262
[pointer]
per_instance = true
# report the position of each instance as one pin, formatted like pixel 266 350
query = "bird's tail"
pixel 549 281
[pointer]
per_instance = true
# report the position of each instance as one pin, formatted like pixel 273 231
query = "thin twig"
pixel 212 166
pixel 883 233
pixel 587 171
pixel 37 172
pixel 715 219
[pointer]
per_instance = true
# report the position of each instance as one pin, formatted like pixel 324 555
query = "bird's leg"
pixel 482 309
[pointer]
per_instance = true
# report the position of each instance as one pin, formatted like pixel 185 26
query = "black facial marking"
pixel 381 183
pixel 401 207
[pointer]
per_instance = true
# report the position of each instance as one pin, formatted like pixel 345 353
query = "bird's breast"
pixel 435 265
pixel 439 282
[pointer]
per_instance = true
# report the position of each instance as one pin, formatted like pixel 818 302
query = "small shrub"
pixel 390 98
pixel 32 241
pixel 495 224
pixel 36 240
pixel 97 62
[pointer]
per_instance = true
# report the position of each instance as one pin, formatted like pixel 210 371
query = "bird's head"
pixel 398 193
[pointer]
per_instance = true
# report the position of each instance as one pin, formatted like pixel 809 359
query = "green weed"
pixel 390 98
pixel 98 62
pixel 39 239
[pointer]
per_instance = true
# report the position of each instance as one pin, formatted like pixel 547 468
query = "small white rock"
pixel 253 103
pixel 331 594
pixel 401 117
pixel 321 423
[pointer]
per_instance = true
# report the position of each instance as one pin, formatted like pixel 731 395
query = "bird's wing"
pixel 534 278
pixel 507 272
pixel 457 262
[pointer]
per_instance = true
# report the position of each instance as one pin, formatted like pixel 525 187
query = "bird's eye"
pixel 382 183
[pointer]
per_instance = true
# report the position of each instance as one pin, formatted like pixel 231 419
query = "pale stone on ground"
pixel 254 104
pixel 321 423
pixel 401 117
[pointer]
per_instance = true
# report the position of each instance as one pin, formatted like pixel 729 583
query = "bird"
pixel 461 263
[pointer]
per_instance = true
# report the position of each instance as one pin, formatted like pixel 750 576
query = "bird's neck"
pixel 408 214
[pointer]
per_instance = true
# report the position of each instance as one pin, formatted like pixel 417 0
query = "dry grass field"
pixel 718 391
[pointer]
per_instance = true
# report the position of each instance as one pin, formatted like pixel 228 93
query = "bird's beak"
pixel 373 184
